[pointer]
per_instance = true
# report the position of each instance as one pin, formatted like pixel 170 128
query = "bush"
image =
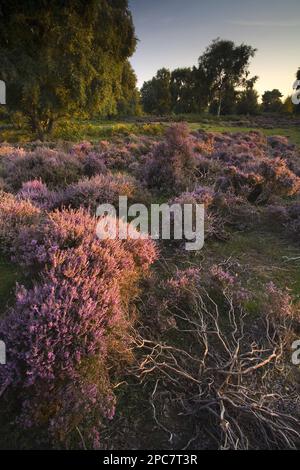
pixel 65 333
pixel 52 167
pixel 14 216
pixel 39 195
pixel 278 179
pixel 171 167
pixel 93 165
pixel 98 190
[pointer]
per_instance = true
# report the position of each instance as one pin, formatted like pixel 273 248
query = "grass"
pixel 9 275
pixel 76 130
pixel 95 129
pixel 264 255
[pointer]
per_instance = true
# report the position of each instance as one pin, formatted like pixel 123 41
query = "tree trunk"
pixel 220 104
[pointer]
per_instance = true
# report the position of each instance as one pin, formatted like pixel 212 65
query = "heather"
pixel 171 165
pixel 65 332
pixel 53 167
pixel 99 330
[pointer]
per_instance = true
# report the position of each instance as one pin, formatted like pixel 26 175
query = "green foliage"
pixel 156 93
pixel 129 102
pixel 65 57
pixel 222 68
pixel 186 91
pixel 271 101
pixel 228 102
pixel 225 66
pixel 288 107
pixel 248 102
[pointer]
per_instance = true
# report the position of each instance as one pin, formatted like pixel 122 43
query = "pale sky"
pixel 174 33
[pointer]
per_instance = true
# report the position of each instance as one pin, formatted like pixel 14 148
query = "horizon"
pixel 174 34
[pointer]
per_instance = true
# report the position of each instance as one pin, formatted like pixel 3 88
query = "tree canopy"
pixel 64 56
pixel 225 66
pixel 271 101
pixel 222 68
pixel 156 93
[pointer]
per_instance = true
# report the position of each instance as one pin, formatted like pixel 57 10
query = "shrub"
pixel 218 347
pixel 39 195
pixel 52 167
pixel 278 179
pixel 248 185
pixel 201 195
pixel 118 158
pixel 171 166
pixel 90 192
pixel 14 216
pixel 93 164
pixel 65 333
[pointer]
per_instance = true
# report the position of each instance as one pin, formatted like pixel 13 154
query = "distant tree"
pixel 129 101
pixel 229 101
pixel 58 57
pixel 156 93
pixel 271 101
pixel 202 89
pixel 288 107
pixel 224 65
pixel 189 91
pixel 182 90
pixel 247 102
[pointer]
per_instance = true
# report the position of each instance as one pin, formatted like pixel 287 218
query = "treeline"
pixel 73 60
pixel 219 84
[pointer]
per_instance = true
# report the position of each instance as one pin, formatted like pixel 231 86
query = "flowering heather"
pixel 72 330
pixel 201 195
pixel 64 333
pixel 183 289
pixel 52 167
pixel 93 164
pixel 39 195
pixel 180 291
pixel 171 166
pixel 98 190
pixel 239 183
pixel 278 178
pixel 14 216
pixel 82 148
pixel 118 158
pixel 184 279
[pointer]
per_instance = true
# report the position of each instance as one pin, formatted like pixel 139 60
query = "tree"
pixel 271 101
pixel 156 93
pixel 229 100
pixel 184 91
pixel 224 65
pixel 288 107
pixel 247 102
pixel 129 102
pixel 59 57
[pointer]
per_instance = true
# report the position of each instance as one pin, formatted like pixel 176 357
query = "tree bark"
pixel 220 104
